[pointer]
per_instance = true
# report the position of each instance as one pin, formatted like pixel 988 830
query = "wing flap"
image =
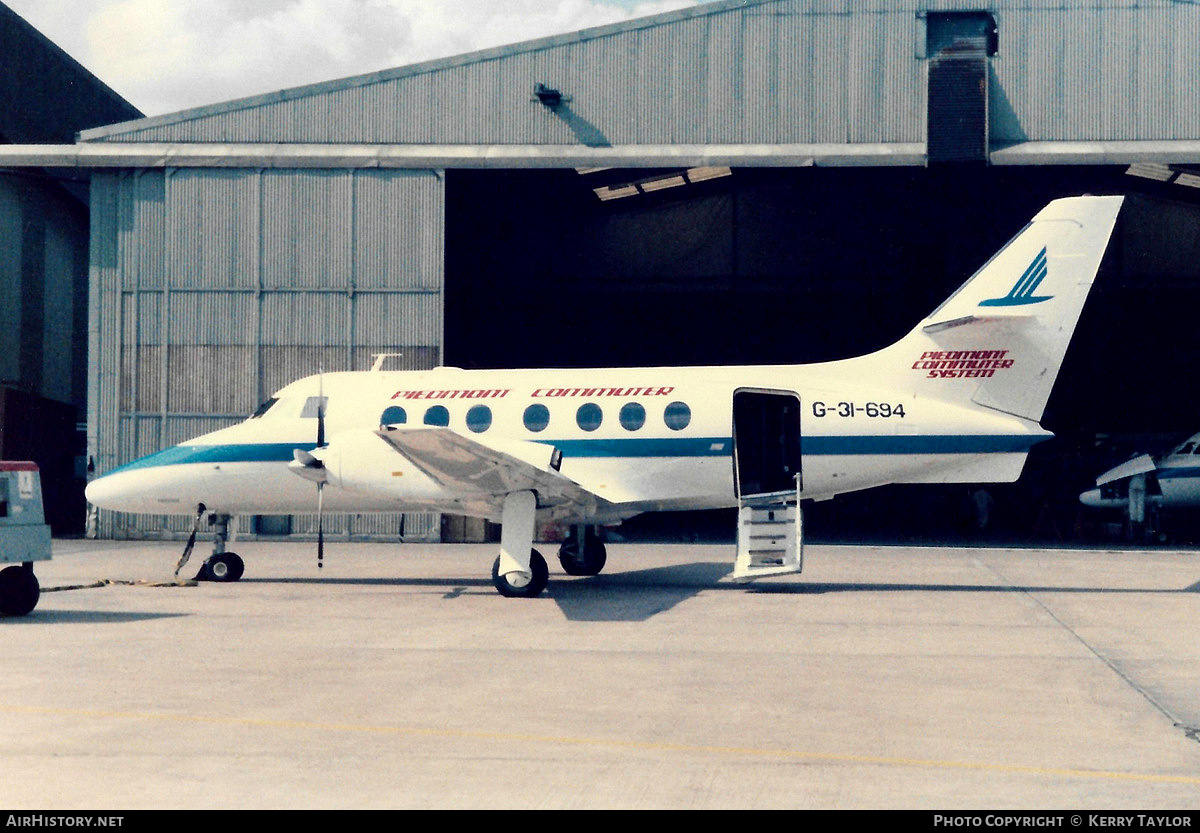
pixel 476 469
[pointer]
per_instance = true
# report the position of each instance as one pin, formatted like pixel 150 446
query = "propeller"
pixel 321 482
pixel 310 467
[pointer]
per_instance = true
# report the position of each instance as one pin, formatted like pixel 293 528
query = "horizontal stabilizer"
pixel 1142 464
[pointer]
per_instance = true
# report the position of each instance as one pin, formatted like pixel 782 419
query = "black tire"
pixel 19 591
pixel 589 562
pixel 537 582
pixel 228 566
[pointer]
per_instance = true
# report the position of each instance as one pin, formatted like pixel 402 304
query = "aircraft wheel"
pixel 586 561
pixel 19 590
pixel 513 586
pixel 227 566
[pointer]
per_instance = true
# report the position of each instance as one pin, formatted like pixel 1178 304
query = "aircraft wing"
pixel 477 470
pixel 1142 464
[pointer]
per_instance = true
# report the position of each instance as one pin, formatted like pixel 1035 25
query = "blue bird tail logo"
pixel 1022 291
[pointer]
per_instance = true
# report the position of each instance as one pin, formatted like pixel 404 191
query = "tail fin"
pixel 999 340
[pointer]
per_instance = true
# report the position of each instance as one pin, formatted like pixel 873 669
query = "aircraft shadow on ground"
pixel 637 595
pixel 894 587
pixel 43 616
pixel 625 596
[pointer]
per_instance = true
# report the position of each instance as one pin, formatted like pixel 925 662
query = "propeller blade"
pixel 321 409
pixel 320 525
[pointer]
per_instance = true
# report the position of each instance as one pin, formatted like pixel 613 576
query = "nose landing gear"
pixel 221 565
pixel 225 566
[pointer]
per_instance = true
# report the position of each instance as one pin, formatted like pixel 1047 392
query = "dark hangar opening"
pixel 809 264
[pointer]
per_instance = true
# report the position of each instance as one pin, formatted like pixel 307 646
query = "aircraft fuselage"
pixel 642 438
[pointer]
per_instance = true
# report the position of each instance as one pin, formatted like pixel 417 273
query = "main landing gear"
pixel 583 553
pixel 520 571
pixel 522 584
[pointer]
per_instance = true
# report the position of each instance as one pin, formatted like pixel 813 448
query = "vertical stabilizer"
pixel 999 340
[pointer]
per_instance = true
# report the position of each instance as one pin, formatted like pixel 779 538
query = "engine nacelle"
pixel 360 461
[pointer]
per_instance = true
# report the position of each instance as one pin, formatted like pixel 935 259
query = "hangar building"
pixel 46 97
pixel 742 181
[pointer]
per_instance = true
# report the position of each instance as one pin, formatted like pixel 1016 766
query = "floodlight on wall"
pixel 1150 170
pixel 547 96
pixel 1165 173
pixel 660 182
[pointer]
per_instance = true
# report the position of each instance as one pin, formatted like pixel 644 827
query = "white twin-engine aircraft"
pixel 1171 482
pixel 956 400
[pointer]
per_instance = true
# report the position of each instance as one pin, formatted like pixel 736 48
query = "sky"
pixel 168 55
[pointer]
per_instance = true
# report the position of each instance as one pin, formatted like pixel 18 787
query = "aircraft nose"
pixel 112 491
pixel 157 490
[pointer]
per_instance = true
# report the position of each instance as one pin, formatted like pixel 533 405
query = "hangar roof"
pixel 737 72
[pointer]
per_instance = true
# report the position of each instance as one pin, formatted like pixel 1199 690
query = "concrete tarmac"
pixel 396 677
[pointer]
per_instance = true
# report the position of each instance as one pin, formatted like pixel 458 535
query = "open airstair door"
pixel 767 476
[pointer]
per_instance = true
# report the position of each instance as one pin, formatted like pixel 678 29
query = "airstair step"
pixel 769 537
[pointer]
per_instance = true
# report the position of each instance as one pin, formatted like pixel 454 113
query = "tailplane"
pixel 1000 339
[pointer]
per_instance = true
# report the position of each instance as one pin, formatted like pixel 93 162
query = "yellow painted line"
pixel 785 754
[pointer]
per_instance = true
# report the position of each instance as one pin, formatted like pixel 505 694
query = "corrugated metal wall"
pixel 772 71
pixel 788 72
pixel 211 289
pixel 1101 71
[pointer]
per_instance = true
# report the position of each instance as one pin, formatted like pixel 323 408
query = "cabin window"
pixel 314 407
pixel 479 418
pixel 589 416
pixel 393 416
pixel 1186 448
pixel 536 418
pixel 632 416
pixel 677 416
pixel 263 408
pixel 437 415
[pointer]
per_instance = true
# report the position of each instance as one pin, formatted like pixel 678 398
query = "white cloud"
pixel 167 55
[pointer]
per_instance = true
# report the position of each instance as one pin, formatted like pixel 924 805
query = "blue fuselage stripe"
pixel 637 447
pixel 225 453
pixel 1177 472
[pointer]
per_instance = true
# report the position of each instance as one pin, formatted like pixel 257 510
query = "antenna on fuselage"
pixel 380 358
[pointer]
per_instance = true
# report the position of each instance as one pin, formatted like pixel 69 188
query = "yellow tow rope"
pixel 112 582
